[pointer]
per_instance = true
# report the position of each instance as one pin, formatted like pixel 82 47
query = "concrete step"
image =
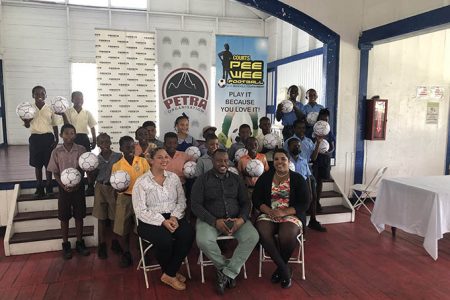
pixel 334 214
pixel 331 198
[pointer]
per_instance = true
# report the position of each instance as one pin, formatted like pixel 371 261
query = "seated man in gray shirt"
pixel 220 202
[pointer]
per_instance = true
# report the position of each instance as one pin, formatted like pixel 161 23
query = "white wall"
pixel 38 42
pixel 348 18
pixel 412 147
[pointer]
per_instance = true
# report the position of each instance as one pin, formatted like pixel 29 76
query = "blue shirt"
pixel 301 166
pixel 309 108
pixel 290 117
pixel 306 144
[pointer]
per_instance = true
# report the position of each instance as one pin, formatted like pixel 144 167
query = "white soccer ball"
pixel 189 169
pixel 254 168
pixel 233 170
pixel 311 118
pixel 291 166
pixel 234 134
pixel 239 153
pixel 321 128
pixel 70 177
pixel 120 180
pixel 324 146
pixel 88 161
pixel 270 141
pixel 60 104
pixel 222 83
pixel 25 111
pixel 193 152
pixel 287 106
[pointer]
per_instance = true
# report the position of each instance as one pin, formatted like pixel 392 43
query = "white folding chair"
pixel 203 263
pixel 299 259
pixel 362 192
pixel 142 265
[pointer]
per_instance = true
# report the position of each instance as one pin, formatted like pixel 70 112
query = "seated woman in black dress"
pixel 282 198
pixel 159 204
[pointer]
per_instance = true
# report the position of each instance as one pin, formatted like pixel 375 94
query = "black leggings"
pixel 170 248
pixel 287 242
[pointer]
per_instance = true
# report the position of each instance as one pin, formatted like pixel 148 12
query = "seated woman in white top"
pixel 159 203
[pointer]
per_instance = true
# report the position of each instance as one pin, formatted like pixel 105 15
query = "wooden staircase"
pixel 33 224
pixel 336 208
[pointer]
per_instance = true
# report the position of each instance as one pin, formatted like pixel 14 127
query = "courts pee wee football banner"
pixel 184 72
pixel 241 71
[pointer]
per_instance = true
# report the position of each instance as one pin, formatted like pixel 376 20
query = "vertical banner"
pixel 241 70
pixel 184 72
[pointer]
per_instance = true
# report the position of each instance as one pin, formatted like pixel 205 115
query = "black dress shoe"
pixel 315 225
pixel 231 283
pixel 286 283
pixel 222 282
pixel 276 277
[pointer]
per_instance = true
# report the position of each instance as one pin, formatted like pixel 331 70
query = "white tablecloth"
pixel 419 205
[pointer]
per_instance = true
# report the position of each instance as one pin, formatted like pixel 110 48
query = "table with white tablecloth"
pixel 418 205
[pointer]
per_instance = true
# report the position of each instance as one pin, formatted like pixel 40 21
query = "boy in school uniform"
pixel 71 200
pixel 142 137
pixel 151 128
pixel 104 196
pixel 287 119
pixel 83 121
pixel 311 106
pixel 204 162
pixel 177 159
pixel 266 127
pixel 244 133
pixel 135 166
pixel 44 138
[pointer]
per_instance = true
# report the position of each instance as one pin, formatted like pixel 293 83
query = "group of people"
pixel 270 208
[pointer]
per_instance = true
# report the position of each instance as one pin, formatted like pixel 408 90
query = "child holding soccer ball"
pixel 71 200
pixel 135 166
pixel 252 146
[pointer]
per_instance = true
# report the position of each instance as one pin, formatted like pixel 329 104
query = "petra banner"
pixel 240 83
pixel 184 72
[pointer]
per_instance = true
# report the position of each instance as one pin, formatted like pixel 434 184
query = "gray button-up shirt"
pixel 215 196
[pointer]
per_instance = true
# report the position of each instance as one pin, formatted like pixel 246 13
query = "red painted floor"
pixel 351 261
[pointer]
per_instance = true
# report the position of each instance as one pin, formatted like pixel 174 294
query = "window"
pixel 133 4
pixel 101 3
pixel 51 1
pixel 84 79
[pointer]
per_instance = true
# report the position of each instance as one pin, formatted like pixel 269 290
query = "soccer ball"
pixel 120 180
pixel 321 128
pixel 88 161
pixel 311 118
pixel 287 106
pixel 25 111
pixel 233 170
pixel 254 168
pixel 239 153
pixel 189 169
pixel 324 146
pixel 234 135
pixel 270 141
pixel 291 166
pixel 222 83
pixel 70 177
pixel 193 152
pixel 60 104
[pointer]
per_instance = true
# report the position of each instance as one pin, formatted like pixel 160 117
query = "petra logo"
pixel 185 88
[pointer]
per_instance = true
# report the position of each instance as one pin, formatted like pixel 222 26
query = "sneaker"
pixel 49 190
pixel 315 225
pixel 222 282
pixel 101 251
pixel 126 260
pixel 90 190
pixel 66 250
pixel 115 247
pixel 81 248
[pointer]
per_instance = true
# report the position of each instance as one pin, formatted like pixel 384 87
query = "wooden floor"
pixel 14 164
pixel 351 261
